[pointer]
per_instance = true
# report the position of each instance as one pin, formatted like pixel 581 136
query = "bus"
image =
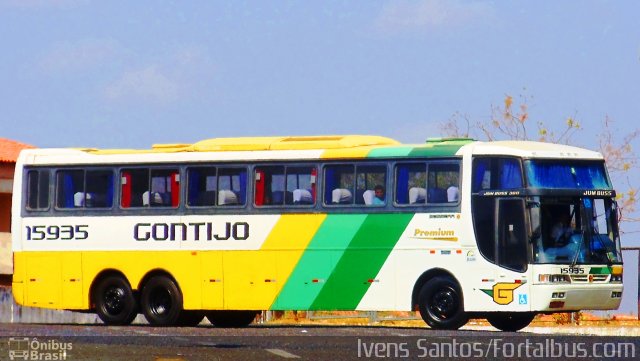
pixel 225 228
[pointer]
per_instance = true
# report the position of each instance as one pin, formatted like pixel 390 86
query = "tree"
pixel 512 121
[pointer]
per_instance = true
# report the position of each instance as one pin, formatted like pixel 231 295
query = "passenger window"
pixel 427 183
pixel 349 185
pixel 496 173
pixel 232 186
pixel 411 180
pixel 301 183
pixel 279 185
pixel 99 189
pixel 134 182
pixel 443 183
pixel 339 184
pixel 70 189
pixel 203 186
pixel 371 185
pixel 38 190
pixel 150 188
pixel 84 189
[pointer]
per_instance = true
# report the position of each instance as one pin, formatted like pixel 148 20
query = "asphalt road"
pixel 142 342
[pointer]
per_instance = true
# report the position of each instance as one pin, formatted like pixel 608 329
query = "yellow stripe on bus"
pixel 254 279
pixel 359 152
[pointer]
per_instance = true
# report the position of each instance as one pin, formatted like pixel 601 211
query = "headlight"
pixel 616 279
pixel 554 278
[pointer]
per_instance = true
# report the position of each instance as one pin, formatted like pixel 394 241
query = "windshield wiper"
pixel 575 257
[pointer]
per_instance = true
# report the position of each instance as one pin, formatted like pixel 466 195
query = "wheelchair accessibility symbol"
pixel 522 299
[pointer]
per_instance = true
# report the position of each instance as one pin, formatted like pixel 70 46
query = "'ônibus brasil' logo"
pixel 502 293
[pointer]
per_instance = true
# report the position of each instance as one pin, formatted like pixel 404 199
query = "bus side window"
pixel 339 184
pixel 411 180
pixel 134 183
pixel 202 185
pixel 368 178
pixel 301 185
pixel 164 189
pixel 38 190
pixel 496 173
pixel 99 189
pixel 270 186
pixel 443 183
pixel 283 185
pixel 70 189
pixel 232 186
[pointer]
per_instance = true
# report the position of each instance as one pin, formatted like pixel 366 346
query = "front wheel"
pixel 441 305
pixel 114 301
pixel 510 321
pixel 161 301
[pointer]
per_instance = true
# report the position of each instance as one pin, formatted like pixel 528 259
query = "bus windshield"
pixel 563 174
pixel 575 230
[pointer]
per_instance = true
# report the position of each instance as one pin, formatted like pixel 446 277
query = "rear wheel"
pixel 231 318
pixel 161 301
pixel 114 301
pixel 441 305
pixel 511 321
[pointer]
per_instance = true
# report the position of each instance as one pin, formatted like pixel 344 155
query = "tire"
pixel 231 318
pixel 190 318
pixel 510 321
pixel 114 301
pixel 161 301
pixel 441 304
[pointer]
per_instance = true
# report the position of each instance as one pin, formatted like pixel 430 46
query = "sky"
pixel 123 74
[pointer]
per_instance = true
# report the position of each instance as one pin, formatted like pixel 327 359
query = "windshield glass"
pixel 564 174
pixel 575 231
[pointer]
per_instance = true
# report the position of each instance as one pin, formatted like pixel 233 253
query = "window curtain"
pixel 402 185
pixel 510 175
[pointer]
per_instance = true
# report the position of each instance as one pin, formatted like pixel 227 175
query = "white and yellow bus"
pixel 227 227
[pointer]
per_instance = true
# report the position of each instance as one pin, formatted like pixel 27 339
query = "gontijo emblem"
pixel 502 292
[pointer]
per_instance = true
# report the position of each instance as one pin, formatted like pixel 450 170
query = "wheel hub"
pixel 114 300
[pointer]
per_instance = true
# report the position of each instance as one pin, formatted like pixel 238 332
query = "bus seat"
pixel 417 195
pixel 368 196
pixel 437 195
pixel 206 198
pixel 453 194
pixel 277 197
pixel 227 197
pixel 341 196
pixel 154 198
pixel 78 199
pixel 302 196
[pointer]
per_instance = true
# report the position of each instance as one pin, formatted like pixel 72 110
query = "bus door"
pixel 511 234
pixel 511 253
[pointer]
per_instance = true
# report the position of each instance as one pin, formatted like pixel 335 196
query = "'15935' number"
pixel 66 232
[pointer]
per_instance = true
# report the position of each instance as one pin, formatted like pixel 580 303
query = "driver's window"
pixel 600 217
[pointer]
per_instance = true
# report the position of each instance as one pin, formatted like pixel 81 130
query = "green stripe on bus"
pixel 318 261
pixel 361 262
pixel 390 152
pixel 600 271
pixel 440 150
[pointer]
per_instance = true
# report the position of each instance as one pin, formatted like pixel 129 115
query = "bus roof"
pixel 304 147
pixel 330 146
pixel 529 149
